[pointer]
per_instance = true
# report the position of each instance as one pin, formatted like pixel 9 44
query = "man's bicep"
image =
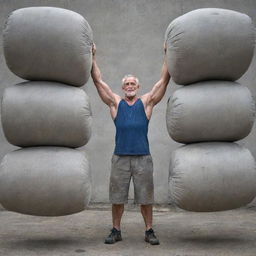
pixel 157 92
pixel 105 93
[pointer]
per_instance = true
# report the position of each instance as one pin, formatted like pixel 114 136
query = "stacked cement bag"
pixel 48 116
pixel 207 50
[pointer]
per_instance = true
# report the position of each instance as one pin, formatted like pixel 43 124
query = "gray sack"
pixel 209 43
pixel 46 113
pixel 214 176
pixel 45 181
pixel 210 111
pixel 48 43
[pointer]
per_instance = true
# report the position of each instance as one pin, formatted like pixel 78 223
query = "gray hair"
pixel 130 75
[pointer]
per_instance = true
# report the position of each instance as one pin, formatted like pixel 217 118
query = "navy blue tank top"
pixel 131 129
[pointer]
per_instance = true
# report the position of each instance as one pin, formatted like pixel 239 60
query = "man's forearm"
pixel 103 89
pixel 165 76
pixel 95 72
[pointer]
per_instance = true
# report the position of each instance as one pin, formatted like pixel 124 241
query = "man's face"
pixel 130 87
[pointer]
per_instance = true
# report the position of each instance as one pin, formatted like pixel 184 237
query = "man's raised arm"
pixel 103 89
pixel 158 90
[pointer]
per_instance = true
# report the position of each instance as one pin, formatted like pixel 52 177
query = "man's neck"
pixel 131 100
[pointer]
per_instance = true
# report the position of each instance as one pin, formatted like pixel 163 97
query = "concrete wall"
pixel 129 37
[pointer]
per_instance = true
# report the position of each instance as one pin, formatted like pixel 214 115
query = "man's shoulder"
pixel 115 101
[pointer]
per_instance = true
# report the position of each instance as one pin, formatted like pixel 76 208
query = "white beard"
pixel 130 94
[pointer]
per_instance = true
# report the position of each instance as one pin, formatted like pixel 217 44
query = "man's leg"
pixel 118 194
pixel 147 213
pixel 115 235
pixel 144 193
pixel 117 213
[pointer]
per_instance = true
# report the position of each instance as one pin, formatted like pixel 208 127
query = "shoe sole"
pixel 106 242
pixel 157 243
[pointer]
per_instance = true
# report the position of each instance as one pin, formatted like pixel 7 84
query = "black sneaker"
pixel 114 236
pixel 151 238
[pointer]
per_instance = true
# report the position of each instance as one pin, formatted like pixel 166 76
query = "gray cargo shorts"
pixel 140 168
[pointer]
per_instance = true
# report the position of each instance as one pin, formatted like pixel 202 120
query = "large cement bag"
pixel 212 176
pixel 210 111
pixel 45 181
pixel 209 43
pixel 46 113
pixel 47 43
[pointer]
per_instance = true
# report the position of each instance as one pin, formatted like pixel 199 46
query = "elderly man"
pixel 131 157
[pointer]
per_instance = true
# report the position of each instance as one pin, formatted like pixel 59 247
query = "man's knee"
pixel 146 206
pixel 117 207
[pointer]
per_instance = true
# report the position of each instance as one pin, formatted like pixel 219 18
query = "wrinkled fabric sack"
pixel 46 113
pixel 209 43
pixel 212 176
pixel 45 181
pixel 210 111
pixel 48 43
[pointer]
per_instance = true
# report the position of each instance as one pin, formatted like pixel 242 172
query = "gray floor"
pixel 181 233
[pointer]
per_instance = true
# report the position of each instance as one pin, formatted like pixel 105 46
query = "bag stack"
pixel 208 50
pixel 48 116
